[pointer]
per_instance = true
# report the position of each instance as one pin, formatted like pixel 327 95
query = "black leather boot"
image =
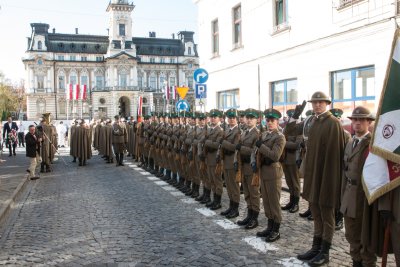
pixel 181 183
pixel 234 212
pixel 253 223
pixel 74 160
pixel 217 202
pixel 357 263
pixel 314 251
pixel 323 255
pixel 121 159
pixel 167 176
pixel 210 203
pixel 117 159
pixel 289 205
pixel 227 211
pixel 206 197
pixel 274 234
pixel 48 169
pixel 188 190
pixel 246 220
pixel 42 167
pixel 295 205
pixel 306 213
pixel 80 162
pixel 267 230
pixel 338 220
pixel 195 193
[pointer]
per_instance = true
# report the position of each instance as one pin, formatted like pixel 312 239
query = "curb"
pixel 4 212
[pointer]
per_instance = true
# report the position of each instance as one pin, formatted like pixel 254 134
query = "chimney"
pixel 76 30
pixel 54 30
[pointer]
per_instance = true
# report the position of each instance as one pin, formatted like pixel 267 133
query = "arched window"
pixel 85 108
pixel 62 107
pixel 39 45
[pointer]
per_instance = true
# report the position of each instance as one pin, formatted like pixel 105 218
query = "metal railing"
pixel 40 90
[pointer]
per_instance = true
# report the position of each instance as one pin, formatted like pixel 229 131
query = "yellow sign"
pixel 182 91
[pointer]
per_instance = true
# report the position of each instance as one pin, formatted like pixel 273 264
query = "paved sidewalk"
pixel 13 178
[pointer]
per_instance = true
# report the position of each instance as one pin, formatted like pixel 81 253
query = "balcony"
pixel 115 88
pixel 40 90
pixel 347 3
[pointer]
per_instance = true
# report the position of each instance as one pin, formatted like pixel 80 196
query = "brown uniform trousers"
pixel 202 173
pixel 271 173
pixel 353 200
pixel 231 140
pixel 290 169
pixel 251 193
pixel 191 166
pixel 212 145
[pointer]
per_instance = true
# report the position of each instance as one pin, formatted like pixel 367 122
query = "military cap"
pixel 241 113
pixel 251 112
pixel 337 112
pixel 362 113
pixel 231 113
pixel 215 113
pixel 290 112
pixel 309 112
pixel 272 114
pixel 201 115
pixel 146 117
pixel 320 96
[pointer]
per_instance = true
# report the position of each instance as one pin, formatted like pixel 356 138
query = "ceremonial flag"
pixel 76 92
pixel 381 172
pixel 83 95
pixel 173 88
pixel 69 92
pixel 166 92
pixel 140 104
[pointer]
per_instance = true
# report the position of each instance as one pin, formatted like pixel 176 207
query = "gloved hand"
pixel 238 146
pixel 386 215
pixel 258 143
pixel 298 163
pixel 254 167
pixel 298 110
pixel 236 166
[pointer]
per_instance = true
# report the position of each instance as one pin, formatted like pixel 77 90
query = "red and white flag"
pixel 166 92
pixel 69 91
pixel 76 92
pixel 83 95
pixel 140 104
pixel 173 92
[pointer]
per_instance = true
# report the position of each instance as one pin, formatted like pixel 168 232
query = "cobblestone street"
pixel 103 215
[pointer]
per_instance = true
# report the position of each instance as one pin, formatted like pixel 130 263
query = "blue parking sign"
pixel 201 90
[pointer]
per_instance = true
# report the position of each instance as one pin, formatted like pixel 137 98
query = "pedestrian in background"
pixel 21 134
pixel 10 129
pixel 33 151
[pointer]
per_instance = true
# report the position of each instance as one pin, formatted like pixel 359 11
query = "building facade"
pixel 265 53
pixel 116 69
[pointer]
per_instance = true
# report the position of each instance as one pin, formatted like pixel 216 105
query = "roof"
pixel 158 46
pixel 77 43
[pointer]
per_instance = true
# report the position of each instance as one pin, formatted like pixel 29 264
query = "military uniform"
pixel 251 192
pixel 119 140
pixel 201 133
pixel 270 149
pixel 82 136
pixel 228 145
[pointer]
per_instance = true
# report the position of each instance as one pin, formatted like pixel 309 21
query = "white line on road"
pixel 189 201
pixel 259 244
pixel 177 194
pixel 226 224
pixel 152 178
pixel 162 183
pixel 168 188
pixel 206 212
pixel 292 262
pixel 145 173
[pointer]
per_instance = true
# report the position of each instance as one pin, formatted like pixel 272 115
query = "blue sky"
pixel 162 16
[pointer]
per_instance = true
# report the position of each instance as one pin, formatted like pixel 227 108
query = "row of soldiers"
pixel 192 149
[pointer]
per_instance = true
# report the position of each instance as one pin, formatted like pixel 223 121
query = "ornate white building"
pixel 116 69
pixel 264 53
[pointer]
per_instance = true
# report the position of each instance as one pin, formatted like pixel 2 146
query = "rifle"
pixel 220 154
pixel 257 159
pixel 202 163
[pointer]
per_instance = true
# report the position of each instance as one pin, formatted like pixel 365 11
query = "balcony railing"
pixel 346 3
pixel 125 88
pixel 40 90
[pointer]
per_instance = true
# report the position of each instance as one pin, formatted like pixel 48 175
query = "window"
pixel 83 58
pixel 228 99
pixel 122 29
pixel 162 80
pixel 280 16
pixel 99 58
pixel 172 60
pixel 72 79
pixel 40 81
pixel 153 82
pixel 62 107
pixel 215 37
pixel 39 45
pixel 162 60
pixel 41 106
pixel 172 81
pixel 237 26
pixel 122 80
pixel 99 81
pixel 189 50
pixel 152 60
pixel 346 3
pixel 84 80
pixel 85 108
pixel 140 81
pixel 61 82
pixel 190 82
pixel 284 95
pixel 354 87
pixel 61 58
pixel 72 58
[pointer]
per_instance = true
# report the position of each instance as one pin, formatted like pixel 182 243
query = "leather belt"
pixel 245 159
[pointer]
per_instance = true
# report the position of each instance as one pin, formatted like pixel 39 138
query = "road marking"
pixel 145 173
pixel 168 188
pixel 177 194
pixel 292 262
pixel 152 178
pixel 189 201
pixel 206 212
pixel 259 244
pixel 227 224
pixel 137 169
pixel 160 183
